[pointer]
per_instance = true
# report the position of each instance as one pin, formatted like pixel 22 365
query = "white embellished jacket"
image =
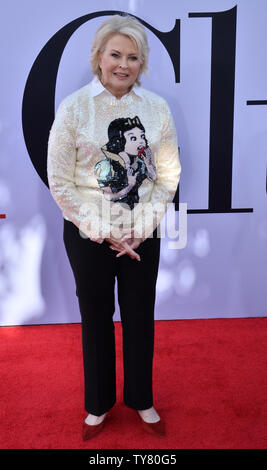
pixel 113 163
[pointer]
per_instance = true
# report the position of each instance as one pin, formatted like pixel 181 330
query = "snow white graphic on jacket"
pixel 128 161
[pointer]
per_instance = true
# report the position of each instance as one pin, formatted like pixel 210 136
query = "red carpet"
pixel 210 386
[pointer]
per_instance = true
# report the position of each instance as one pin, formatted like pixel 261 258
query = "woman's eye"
pixel 133 58
pixel 142 136
pixel 114 55
pixel 133 138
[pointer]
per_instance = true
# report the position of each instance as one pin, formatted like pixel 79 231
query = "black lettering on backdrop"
pixel 257 103
pixel 221 110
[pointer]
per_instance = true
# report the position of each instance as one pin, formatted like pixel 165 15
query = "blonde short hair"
pixel 117 24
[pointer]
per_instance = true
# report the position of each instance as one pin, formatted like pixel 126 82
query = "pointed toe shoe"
pixel 89 430
pixel 156 429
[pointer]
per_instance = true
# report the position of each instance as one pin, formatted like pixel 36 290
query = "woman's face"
pixel 135 140
pixel 120 64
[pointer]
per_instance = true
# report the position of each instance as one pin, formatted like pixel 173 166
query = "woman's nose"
pixel 123 63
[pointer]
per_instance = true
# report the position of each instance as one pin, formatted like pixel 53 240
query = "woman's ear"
pixel 99 58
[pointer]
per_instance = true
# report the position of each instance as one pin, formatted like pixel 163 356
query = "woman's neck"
pixel 117 94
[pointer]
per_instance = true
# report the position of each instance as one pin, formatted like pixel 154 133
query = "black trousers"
pixel 95 268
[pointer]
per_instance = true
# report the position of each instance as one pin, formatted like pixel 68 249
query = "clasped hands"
pixel 126 244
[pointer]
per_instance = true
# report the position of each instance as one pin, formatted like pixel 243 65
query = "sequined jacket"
pixel 110 158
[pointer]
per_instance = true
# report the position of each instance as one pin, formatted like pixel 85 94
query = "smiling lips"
pixel 121 76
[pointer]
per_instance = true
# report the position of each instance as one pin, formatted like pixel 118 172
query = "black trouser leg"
pixel 136 296
pixel 93 269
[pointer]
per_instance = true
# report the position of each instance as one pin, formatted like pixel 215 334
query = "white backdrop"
pixel 221 272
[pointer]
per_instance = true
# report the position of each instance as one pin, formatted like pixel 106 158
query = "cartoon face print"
pixel 135 140
pixel 128 161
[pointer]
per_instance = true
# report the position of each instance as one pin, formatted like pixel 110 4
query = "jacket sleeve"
pixel 61 162
pixel 168 175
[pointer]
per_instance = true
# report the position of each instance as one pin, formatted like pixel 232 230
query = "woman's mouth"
pixel 121 76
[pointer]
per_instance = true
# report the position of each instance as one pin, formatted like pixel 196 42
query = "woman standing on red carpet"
pixel 112 152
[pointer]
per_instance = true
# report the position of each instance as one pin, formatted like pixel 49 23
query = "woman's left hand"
pixel 132 241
